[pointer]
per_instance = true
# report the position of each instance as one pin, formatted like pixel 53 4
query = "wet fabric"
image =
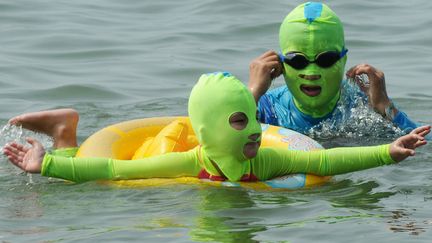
pixel 276 107
pixel 313 28
pixel 213 100
pixel 269 163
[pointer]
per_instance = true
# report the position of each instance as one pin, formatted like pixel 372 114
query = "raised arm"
pixel 262 70
pixel 374 87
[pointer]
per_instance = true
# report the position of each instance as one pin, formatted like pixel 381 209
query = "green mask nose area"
pixel 313 28
pixel 212 101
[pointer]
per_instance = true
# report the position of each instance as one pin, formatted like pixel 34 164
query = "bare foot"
pixel 61 124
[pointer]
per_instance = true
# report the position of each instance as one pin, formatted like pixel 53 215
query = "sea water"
pixel 120 60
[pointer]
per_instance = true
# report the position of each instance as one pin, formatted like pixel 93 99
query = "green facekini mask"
pixel 213 100
pixel 313 28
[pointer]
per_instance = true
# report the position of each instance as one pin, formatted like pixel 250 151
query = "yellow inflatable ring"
pixel 122 140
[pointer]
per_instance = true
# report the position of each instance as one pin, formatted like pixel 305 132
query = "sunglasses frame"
pixel 286 60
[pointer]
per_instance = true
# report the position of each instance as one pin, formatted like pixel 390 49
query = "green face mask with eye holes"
pixel 212 101
pixel 313 28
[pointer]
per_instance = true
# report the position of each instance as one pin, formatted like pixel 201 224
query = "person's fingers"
pixel 406 152
pixel 362 69
pixel 35 143
pixel 265 66
pixel 267 54
pixel 274 68
pixel 411 139
pixel 350 72
pixel 10 150
pixel 273 65
pixel 271 57
pixel 19 147
pixel 418 130
pixel 14 121
pixel 420 143
pixel 15 161
pixel 13 154
pixel 278 71
pixel 414 141
pixel 363 87
pixel 8 153
pixel 425 132
pixel 6 148
pixel 405 146
pixel 358 69
pixel 12 159
pixel 274 59
pixel 18 159
pixel 409 152
pixel 375 76
pixel 16 149
pixel 422 131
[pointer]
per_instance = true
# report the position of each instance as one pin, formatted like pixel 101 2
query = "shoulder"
pixel 279 92
pixel 270 155
pixel 280 95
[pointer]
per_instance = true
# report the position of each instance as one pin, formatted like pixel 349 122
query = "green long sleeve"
pixel 269 163
pixel 274 162
pixel 86 169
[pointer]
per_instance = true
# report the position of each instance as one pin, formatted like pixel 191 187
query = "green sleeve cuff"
pixel 386 154
pixel 45 164
pixel 65 152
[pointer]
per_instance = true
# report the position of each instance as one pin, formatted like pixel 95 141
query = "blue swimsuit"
pixel 276 107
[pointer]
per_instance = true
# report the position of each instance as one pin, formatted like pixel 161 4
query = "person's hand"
pixel 375 89
pixel 262 70
pixel 405 146
pixel 29 159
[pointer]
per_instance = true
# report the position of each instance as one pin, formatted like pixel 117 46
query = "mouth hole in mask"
pixel 238 120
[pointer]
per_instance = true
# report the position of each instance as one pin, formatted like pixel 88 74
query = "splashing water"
pixel 11 133
pixel 353 118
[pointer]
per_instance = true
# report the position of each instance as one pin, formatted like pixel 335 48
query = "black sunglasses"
pixel 326 59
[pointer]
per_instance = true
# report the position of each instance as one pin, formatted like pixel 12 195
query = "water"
pixel 120 60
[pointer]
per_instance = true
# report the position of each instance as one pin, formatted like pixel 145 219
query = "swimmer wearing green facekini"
pixel 223 115
pixel 313 54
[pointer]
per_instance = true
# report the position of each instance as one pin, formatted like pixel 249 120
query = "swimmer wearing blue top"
pixel 312 62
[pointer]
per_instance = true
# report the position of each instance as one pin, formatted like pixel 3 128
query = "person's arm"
pixel 34 159
pixel 375 89
pixel 373 85
pixel 274 162
pixel 401 120
pixel 85 169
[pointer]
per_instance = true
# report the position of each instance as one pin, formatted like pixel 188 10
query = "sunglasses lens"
pixel 327 59
pixel 296 60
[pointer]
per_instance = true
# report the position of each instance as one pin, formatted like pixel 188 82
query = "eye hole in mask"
pixel 238 121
